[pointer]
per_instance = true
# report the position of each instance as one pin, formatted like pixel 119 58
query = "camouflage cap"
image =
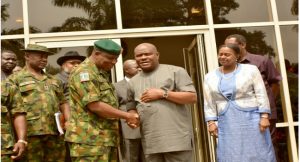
pixel 37 48
pixel 108 46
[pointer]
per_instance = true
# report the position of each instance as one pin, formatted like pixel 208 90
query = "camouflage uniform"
pixel 91 137
pixel 10 105
pixel 41 99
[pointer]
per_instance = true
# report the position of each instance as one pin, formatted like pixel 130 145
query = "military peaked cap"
pixel 108 46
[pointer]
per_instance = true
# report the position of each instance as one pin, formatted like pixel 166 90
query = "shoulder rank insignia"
pixel 84 77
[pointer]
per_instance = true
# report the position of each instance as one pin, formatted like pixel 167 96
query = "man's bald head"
pixel 130 68
pixel 149 46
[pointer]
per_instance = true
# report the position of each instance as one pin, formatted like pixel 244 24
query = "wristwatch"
pixel 166 93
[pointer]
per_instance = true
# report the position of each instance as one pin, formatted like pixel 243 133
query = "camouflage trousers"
pixel 45 148
pixel 6 158
pixel 89 153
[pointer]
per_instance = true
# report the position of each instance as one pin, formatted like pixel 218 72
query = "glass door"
pixel 196 65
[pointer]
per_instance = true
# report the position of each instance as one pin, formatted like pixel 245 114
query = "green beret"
pixel 108 46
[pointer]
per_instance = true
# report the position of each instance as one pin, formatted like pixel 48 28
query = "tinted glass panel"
pixel 11 17
pixel 290 42
pixel 281 146
pixel 63 16
pixel 239 11
pixel 14 45
pixel 260 40
pixel 157 13
pixel 287 9
pixel 169 53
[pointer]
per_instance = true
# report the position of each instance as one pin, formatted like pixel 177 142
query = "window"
pixel 64 16
pixel 11 17
pixel 158 13
pixel 290 48
pixel 239 11
pixel 287 10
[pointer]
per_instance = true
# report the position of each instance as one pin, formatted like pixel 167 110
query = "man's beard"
pixel 67 70
pixel 7 68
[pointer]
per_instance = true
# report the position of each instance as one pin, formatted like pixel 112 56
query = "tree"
pixel 101 14
pixel 255 40
pixel 73 24
pixel 4 12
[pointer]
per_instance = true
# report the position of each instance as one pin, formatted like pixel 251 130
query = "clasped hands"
pixel 133 119
pixel 149 94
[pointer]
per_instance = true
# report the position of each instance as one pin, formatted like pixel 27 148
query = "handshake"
pixel 133 119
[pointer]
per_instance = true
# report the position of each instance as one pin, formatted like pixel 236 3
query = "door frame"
pixel 117 71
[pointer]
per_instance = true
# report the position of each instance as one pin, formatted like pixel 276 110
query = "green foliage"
pixel 220 8
pixel 73 24
pixel 101 14
pixel 294 8
pixel 4 12
pixel 157 13
pixel 255 40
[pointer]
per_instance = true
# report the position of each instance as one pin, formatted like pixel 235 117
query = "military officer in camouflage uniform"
pixel 93 131
pixel 68 62
pixel 42 96
pixel 13 117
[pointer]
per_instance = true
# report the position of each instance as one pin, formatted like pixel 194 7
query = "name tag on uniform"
pixel 26 83
pixel 84 77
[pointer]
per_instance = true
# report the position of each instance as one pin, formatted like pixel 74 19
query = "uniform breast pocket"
pixel 27 93
pixel 33 122
pixel 107 93
pixel 105 88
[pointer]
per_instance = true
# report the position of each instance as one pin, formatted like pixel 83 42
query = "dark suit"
pixel 132 147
